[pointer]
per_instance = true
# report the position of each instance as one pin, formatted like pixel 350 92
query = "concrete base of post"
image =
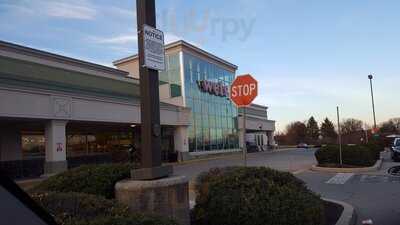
pixel 152 173
pixel 168 197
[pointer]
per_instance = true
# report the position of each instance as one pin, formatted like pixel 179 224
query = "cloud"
pixel 129 38
pixel 116 40
pixel 120 12
pixel 69 10
pixel 72 9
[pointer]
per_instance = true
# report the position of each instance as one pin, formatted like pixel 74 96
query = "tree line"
pixel 352 130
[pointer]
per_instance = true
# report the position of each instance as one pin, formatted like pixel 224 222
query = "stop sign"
pixel 244 90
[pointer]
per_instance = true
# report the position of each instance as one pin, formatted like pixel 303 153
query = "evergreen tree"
pixel 312 129
pixel 328 130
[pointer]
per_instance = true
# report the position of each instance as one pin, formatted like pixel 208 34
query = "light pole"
pixel 370 77
pixel 339 137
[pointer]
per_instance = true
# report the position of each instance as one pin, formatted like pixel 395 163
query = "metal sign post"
pixel 244 138
pixel 244 90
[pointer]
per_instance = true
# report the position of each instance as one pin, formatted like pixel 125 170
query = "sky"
pixel 309 56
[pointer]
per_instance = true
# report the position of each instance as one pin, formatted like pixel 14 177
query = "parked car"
pixel 302 145
pixel 252 148
pixel 395 150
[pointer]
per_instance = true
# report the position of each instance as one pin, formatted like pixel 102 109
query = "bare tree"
pixel 349 126
pixel 296 132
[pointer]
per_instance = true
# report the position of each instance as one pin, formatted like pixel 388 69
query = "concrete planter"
pixel 375 167
pixel 166 197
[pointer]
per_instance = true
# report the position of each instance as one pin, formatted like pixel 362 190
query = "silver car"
pixel 395 151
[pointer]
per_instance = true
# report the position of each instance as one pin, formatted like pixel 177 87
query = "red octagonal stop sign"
pixel 244 90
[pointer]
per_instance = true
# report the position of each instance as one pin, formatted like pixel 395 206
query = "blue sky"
pixel 308 55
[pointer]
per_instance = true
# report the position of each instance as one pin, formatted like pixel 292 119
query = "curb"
pixel 375 167
pixel 223 156
pixel 349 215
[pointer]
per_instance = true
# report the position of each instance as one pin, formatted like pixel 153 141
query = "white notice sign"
pixel 154 56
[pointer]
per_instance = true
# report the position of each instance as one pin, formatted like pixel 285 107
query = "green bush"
pixel 79 209
pixel 376 147
pixel 356 155
pixel 91 179
pixel 255 196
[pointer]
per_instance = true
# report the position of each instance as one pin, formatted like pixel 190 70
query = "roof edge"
pixel 186 44
pixel 20 49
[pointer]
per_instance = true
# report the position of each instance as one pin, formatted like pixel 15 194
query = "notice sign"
pixel 154 55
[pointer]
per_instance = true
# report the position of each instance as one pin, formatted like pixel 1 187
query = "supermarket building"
pixel 58 112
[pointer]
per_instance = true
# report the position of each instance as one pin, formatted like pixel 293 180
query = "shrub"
pixel 356 155
pixel 255 196
pixel 90 179
pixel 69 207
pixel 376 147
pixel 79 209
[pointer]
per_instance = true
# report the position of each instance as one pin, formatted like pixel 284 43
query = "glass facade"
pixel 213 126
pixel 172 76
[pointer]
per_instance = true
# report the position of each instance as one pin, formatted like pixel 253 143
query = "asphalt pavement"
pixel 375 195
pixel 291 160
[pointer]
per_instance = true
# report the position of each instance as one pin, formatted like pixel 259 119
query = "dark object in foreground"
pixel 332 212
pixel 18 208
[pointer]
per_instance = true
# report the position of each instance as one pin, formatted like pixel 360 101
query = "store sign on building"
pixel 154 52
pixel 214 88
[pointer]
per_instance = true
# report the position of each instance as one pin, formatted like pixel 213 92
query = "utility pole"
pixel 339 136
pixel 244 138
pixel 370 77
pixel 150 163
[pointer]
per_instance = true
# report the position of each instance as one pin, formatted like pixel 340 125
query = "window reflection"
pixel 212 116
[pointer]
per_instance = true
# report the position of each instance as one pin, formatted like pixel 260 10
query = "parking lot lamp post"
pixel 370 77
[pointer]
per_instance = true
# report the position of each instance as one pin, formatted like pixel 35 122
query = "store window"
pixel 33 145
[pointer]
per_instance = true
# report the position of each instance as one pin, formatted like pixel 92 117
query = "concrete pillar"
pixel 271 138
pixel 56 155
pixel 181 142
pixel 10 144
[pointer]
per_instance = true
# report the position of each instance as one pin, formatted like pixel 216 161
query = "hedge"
pixel 356 155
pixel 91 179
pixel 79 209
pixel 255 196
pixel 375 147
